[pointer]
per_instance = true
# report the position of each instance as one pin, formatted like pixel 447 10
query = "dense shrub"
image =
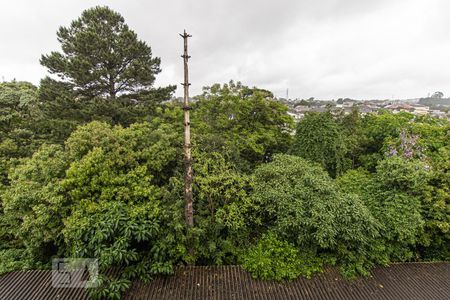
pixel 299 202
pixel 272 258
pixel 394 195
pixel 244 124
pixel 103 195
pixel 222 202
pixel 15 260
pixel 34 205
pixel 319 139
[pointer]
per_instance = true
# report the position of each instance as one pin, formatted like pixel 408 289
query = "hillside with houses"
pixel 434 107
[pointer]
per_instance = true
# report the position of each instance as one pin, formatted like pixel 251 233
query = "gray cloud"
pixel 326 49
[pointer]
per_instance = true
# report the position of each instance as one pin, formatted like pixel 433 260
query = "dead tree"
pixel 189 209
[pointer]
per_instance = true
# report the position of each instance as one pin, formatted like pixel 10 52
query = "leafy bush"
pixel 302 204
pixel 299 202
pixel 393 194
pixel 118 187
pixel 102 196
pixel 222 200
pixel 132 237
pixel 15 260
pixel 318 139
pixel 108 288
pixel 244 124
pixel 396 202
pixel 276 259
pixel 34 205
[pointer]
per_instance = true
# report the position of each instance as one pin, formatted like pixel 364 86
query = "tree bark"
pixel 188 174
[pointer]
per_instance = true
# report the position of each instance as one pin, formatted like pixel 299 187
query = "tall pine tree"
pixel 105 73
pixel 101 56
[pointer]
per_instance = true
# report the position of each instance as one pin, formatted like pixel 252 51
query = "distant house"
pixel 366 109
pixel 348 103
pixel 399 107
pixel 438 114
pixel 420 110
pixel 301 108
pixel 319 109
pixel 296 115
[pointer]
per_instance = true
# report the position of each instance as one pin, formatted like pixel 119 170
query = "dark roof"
pixel 399 281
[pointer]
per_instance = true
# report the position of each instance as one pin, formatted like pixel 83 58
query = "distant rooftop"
pixel 399 281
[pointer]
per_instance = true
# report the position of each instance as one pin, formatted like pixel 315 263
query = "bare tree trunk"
pixel 189 209
pixel 112 88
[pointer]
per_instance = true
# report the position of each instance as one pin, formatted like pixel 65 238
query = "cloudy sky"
pixel 327 49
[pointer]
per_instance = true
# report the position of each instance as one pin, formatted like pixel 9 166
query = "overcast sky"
pixel 327 49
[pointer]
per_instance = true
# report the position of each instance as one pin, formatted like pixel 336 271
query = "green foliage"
pixel 117 184
pixel 377 129
pixel 33 205
pixel 115 192
pixel 299 199
pixel 17 102
pixel 408 192
pixel 276 259
pixel 393 195
pixel 102 56
pixel 149 147
pixel 124 235
pixel 108 288
pixel 319 139
pixel 357 181
pixel 222 204
pixel 246 125
pixel 15 260
pixel 103 195
pixel 397 203
pixel 436 209
pixel 351 129
pixel 63 110
pixel 18 109
pixel 299 202
pixel 106 74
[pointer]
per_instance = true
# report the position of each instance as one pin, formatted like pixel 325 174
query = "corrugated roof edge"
pixel 427 280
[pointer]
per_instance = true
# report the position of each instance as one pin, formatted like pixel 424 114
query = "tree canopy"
pixel 319 138
pixel 102 56
pixel 104 72
pixel 244 124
